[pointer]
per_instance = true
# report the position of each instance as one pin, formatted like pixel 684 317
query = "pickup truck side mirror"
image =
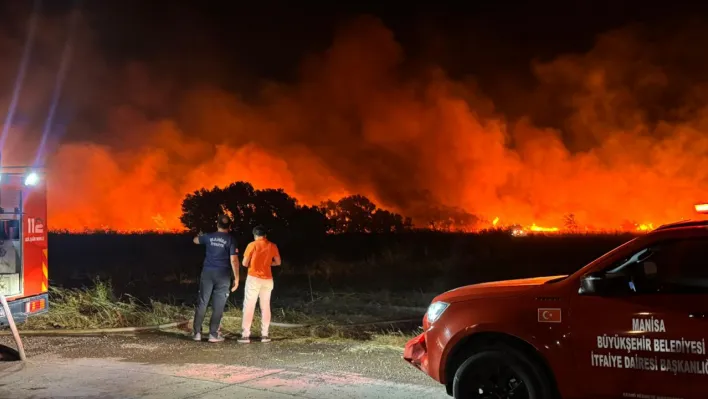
pixel 600 283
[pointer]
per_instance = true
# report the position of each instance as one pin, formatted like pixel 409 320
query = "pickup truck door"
pixel 649 341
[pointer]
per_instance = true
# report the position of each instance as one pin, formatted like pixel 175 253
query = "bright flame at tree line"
pixel 163 226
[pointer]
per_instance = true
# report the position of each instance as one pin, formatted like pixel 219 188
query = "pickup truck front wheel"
pixel 496 373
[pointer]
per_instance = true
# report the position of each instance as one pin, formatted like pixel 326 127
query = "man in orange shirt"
pixel 259 257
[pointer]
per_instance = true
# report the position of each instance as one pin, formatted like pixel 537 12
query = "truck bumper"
pixel 21 308
pixel 416 353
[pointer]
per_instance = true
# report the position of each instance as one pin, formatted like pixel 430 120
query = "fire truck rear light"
pixel 702 208
pixel 35 306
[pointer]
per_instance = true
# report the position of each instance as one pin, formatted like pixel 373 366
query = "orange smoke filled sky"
pixel 615 134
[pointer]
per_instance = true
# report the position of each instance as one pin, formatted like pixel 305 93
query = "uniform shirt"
pixel 219 249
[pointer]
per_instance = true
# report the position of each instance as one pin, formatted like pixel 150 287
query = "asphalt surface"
pixel 172 366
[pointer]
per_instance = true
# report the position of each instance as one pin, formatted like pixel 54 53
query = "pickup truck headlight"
pixel 435 310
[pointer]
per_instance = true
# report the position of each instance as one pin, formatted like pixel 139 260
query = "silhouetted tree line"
pixel 283 215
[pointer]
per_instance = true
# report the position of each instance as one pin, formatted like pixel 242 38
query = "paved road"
pixel 169 367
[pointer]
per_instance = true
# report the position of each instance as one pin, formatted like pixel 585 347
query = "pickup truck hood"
pixel 494 289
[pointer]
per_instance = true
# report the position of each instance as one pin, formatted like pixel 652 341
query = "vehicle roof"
pixel 683 224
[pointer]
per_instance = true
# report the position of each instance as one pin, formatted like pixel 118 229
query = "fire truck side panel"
pixel 33 297
pixel 34 241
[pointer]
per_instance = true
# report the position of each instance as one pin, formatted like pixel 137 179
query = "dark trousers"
pixel 216 281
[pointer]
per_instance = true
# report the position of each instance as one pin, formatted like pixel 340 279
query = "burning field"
pixel 612 138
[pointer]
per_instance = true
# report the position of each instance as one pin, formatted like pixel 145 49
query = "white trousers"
pixel 256 289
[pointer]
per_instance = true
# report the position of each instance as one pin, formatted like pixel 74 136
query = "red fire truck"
pixel 23 242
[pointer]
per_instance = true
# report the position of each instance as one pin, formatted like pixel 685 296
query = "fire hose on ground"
pixel 145 329
pixel 161 327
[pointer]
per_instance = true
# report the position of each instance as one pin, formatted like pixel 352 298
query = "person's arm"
pixel 247 255
pixel 276 256
pixel 199 239
pixel 233 250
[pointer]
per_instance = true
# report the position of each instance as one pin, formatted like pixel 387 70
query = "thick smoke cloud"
pixel 615 136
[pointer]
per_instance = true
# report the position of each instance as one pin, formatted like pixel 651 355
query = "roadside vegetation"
pixel 98 307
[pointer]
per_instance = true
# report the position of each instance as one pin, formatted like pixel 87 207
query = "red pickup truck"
pixel 631 324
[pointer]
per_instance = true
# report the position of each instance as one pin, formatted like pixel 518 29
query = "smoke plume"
pixel 615 136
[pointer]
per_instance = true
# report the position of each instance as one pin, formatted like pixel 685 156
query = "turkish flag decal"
pixel 549 315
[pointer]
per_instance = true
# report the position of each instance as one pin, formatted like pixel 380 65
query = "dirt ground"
pixel 171 365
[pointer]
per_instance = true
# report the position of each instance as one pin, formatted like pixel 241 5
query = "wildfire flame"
pixel 645 227
pixel 517 230
pixel 543 229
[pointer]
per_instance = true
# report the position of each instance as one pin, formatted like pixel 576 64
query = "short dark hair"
pixel 224 222
pixel 259 231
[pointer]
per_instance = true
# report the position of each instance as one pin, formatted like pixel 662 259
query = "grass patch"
pixel 327 315
pixel 98 307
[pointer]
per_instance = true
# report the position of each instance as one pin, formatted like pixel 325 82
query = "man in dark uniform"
pixel 220 262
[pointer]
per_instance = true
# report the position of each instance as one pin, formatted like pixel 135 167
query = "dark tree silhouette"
pixel 200 210
pixel 570 223
pixel 239 199
pixel 452 219
pixel 384 221
pixel 284 217
pixel 274 208
pixel 351 214
pixel 357 214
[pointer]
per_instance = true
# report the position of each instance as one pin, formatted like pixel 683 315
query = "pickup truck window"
pixel 676 266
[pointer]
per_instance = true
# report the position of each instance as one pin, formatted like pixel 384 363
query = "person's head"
pixel 259 232
pixel 223 222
